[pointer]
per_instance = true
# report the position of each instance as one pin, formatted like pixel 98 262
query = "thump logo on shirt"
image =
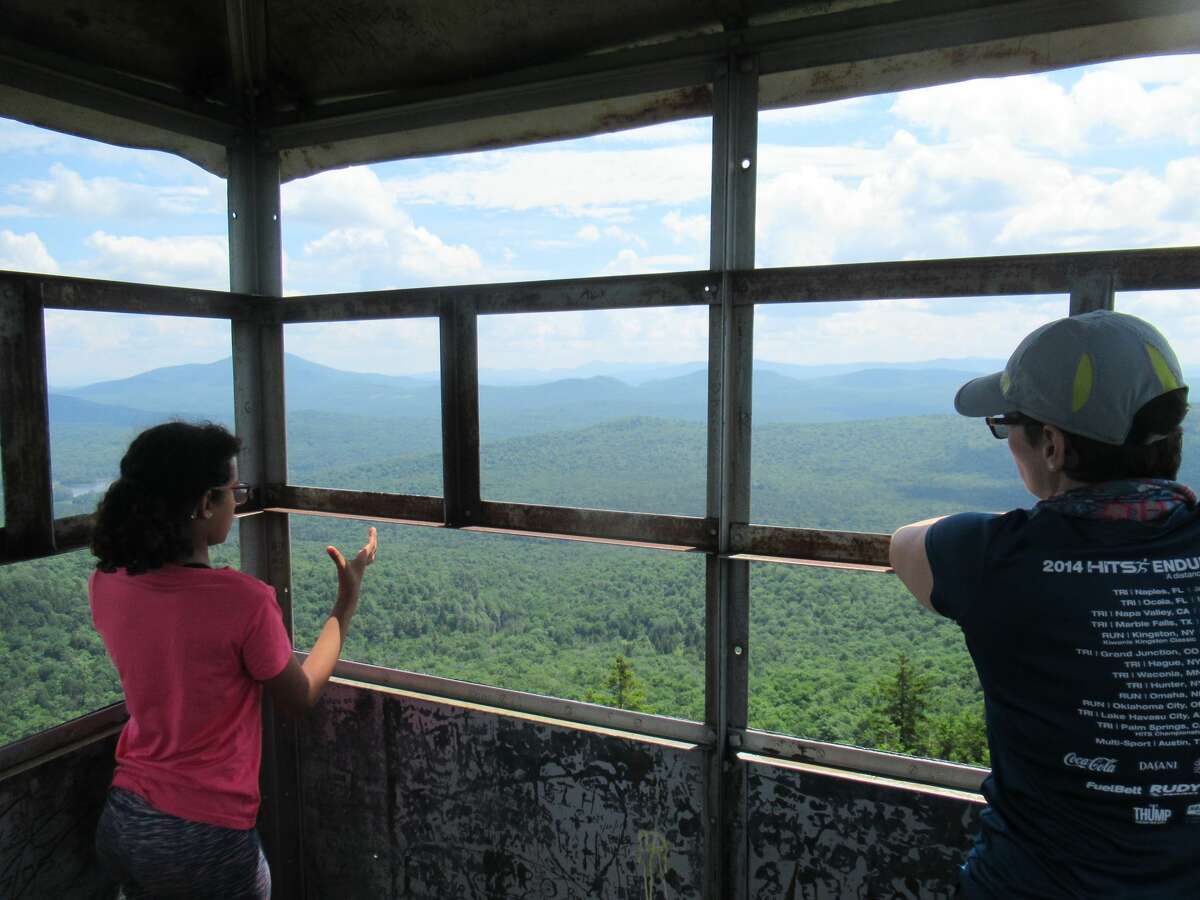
pixel 1151 815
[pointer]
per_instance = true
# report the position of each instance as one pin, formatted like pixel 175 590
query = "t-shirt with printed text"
pixel 1084 635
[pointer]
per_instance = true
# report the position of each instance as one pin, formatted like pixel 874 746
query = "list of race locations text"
pixel 1149 636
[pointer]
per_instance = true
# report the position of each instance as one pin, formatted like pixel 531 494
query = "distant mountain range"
pixel 781 394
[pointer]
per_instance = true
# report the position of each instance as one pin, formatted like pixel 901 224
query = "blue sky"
pixel 1092 158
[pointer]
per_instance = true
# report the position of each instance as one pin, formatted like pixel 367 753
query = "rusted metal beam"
pixel 617 292
pixel 25 425
pixel 1175 268
pixel 62 292
pixel 810 546
pixel 635 529
pixel 404 509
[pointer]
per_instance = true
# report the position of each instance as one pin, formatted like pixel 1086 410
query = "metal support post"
pixel 25 426
pixel 255 265
pixel 460 413
pixel 1092 290
pixel 731 349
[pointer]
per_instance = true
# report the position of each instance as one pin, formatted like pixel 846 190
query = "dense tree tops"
pixel 840 656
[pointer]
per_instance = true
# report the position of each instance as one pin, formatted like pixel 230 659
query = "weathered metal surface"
pixel 1175 268
pixel 48 817
pixel 411 798
pixel 256 267
pixel 1040 52
pixel 64 292
pixel 642 529
pixel 39 748
pixel 616 292
pixel 811 545
pixel 829 837
pixel 935 772
pixel 1092 291
pixel 401 508
pixel 593 714
pixel 911 26
pixel 25 426
pixel 730 366
pixel 897 45
pixel 346 82
pixel 460 413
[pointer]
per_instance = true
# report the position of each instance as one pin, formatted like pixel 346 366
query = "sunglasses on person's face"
pixel 1000 425
pixel 241 493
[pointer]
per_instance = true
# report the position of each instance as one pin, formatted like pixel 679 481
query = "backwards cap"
pixel 1087 374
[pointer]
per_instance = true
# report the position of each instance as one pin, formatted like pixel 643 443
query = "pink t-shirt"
pixel 192 647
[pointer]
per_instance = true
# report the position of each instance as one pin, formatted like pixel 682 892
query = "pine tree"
pixel 621 687
pixel 898 719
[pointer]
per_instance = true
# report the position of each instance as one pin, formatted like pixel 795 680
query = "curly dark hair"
pixel 143 520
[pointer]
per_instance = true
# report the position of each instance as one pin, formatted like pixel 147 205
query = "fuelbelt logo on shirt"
pixel 1150 815
pixel 1193 814
pixel 1094 764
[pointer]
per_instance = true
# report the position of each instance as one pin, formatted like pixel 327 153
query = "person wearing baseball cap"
pixel 1081 615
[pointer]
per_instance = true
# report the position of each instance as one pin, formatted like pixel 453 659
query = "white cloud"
pixel 617 233
pixel 1177 315
pixel 1138 99
pixel 686 228
pixel 898 330
pixel 599 184
pixel 67 193
pixel 816 113
pixel 357 258
pixel 588 232
pixel 687 131
pixel 629 262
pixel 200 261
pixel 341 197
pixel 390 347
pixel 911 199
pixel 84 347
pixel 1029 109
pixel 571 339
pixel 25 253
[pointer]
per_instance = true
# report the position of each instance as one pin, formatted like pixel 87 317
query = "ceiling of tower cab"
pixel 330 83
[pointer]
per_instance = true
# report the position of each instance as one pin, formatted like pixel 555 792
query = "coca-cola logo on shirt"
pixel 1094 764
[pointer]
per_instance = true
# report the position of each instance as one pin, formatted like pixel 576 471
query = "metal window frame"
pixel 731 289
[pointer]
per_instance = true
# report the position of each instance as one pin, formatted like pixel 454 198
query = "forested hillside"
pixel 833 655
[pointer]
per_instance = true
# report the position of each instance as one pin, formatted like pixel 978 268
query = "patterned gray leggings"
pixel 153 854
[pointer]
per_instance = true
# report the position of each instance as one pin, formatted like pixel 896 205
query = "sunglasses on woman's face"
pixel 1000 425
pixel 241 492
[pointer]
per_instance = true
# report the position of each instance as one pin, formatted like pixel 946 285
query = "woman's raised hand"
pixel 350 574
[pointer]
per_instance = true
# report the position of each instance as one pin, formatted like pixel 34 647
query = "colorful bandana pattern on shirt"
pixel 1135 499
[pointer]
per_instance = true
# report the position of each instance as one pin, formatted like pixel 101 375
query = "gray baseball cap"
pixel 1088 374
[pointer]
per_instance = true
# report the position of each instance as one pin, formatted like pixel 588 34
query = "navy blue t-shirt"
pixel 1084 635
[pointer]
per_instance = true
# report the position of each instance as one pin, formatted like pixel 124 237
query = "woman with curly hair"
pixel 194 646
